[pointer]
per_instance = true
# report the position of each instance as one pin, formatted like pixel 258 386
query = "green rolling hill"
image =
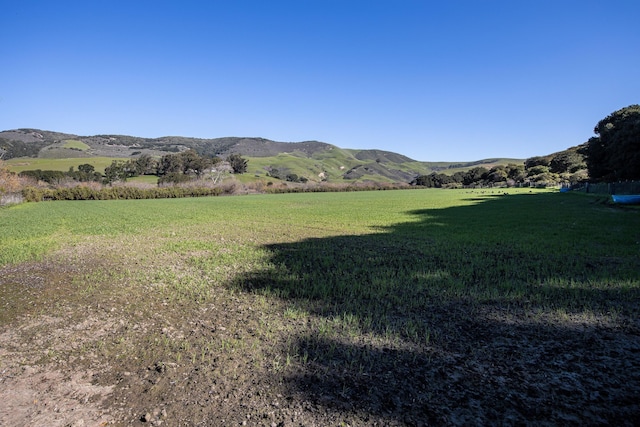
pixel 316 161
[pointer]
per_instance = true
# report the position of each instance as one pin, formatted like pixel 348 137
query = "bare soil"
pixel 76 357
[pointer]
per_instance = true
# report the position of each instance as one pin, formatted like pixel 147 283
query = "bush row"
pixel 32 194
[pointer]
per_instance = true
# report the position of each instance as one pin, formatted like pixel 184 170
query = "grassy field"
pixel 74 143
pixel 20 164
pixel 396 307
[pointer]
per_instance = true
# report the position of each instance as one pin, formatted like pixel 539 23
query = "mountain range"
pixel 313 160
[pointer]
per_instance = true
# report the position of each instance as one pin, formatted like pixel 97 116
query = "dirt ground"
pixel 240 360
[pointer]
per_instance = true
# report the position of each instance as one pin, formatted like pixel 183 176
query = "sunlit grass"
pixel 318 293
pixel 76 144
pixel 20 164
pixel 374 262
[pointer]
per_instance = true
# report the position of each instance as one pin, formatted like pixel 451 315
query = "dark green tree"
pixel 86 172
pixel 614 154
pixel 238 164
pixel 118 171
pixel 536 161
pixel 458 177
pixel 516 172
pixel 170 163
pixel 86 168
pixel 569 161
pixel 146 165
pixel 193 163
pixel 475 175
pixel 190 161
pixel 497 174
pixel 434 180
pixel 182 167
pixel 424 180
pixel 538 170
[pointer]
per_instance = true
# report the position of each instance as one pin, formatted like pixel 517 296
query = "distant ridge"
pixel 314 160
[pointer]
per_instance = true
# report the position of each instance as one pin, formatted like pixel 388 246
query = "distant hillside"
pixel 36 143
pixel 313 160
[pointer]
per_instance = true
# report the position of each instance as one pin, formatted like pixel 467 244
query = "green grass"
pixel 334 164
pixel 75 144
pixel 374 259
pixel 301 166
pixel 331 164
pixel 20 164
pixel 339 288
pixel 521 247
pixel 144 179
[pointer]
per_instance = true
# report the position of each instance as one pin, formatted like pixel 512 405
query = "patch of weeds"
pixel 295 313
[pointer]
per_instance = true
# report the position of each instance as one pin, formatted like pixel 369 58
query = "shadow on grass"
pixel 518 308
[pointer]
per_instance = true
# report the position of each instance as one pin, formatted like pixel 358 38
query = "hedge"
pixel 32 194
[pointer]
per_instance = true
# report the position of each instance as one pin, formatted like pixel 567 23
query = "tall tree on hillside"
pixel 614 154
pixel 567 161
pixel 536 161
pixel 475 175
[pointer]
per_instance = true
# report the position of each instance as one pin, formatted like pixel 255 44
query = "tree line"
pixel 612 155
pixel 170 168
pixel 564 167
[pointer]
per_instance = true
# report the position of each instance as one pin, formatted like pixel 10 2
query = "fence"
pixel 625 187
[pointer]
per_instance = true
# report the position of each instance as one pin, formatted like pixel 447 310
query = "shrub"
pixel 32 194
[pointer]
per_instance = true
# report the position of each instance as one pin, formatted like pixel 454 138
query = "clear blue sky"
pixel 435 80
